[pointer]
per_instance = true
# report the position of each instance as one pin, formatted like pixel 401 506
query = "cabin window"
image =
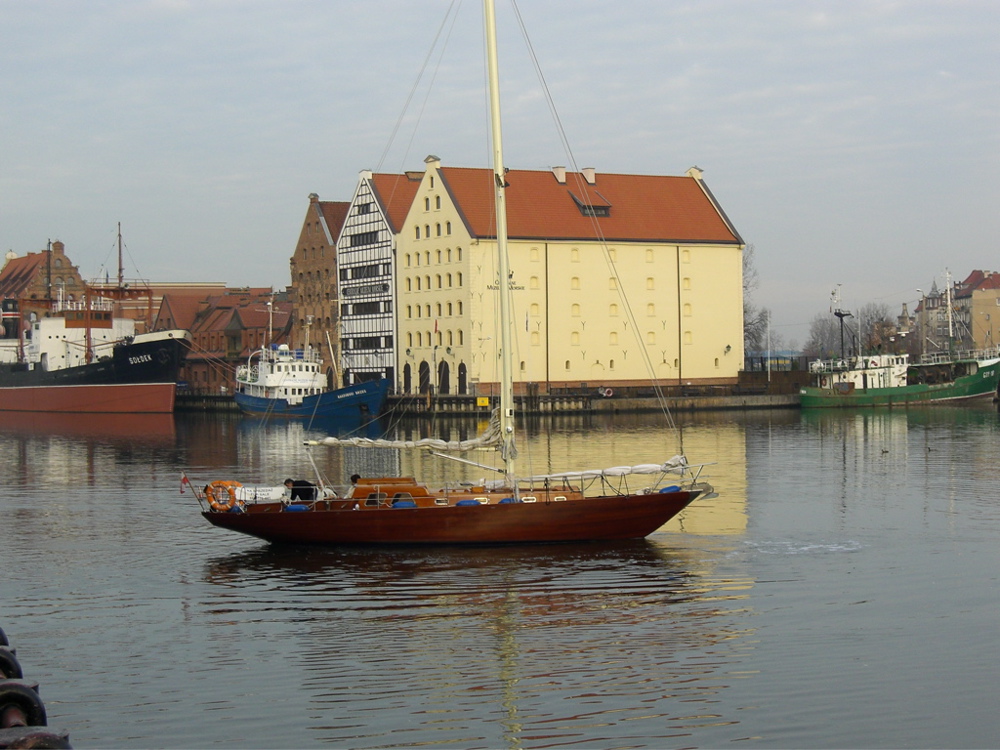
pixel 374 498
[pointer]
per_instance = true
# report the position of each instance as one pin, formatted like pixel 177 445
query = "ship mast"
pixel 121 266
pixel 508 449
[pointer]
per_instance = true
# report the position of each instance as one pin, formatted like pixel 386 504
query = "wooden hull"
pixel 584 519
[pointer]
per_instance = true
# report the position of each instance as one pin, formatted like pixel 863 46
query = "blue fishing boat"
pixel 283 382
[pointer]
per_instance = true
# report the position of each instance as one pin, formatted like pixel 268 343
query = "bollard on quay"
pixel 23 722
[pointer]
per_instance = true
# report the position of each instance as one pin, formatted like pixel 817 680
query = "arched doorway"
pixel 407 378
pixel 463 379
pixel 425 377
pixel 444 378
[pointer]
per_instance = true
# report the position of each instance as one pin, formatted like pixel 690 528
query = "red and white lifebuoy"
pixel 607 393
pixel 221 495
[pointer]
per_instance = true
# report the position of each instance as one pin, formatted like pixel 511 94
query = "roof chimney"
pixel 560 173
pixel 590 175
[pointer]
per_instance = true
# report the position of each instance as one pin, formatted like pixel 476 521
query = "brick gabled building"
pixel 314 276
pixel 225 330
pixel 40 276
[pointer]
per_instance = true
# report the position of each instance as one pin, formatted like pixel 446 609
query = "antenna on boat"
pixel 508 450
pixel 840 313
pixel 270 318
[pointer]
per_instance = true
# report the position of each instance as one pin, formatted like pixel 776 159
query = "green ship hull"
pixel 980 384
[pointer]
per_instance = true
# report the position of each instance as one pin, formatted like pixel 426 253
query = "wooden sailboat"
pixel 625 502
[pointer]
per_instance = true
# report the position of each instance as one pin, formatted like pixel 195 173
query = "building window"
pixel 437 201
pixel 417 231
pixel 364 238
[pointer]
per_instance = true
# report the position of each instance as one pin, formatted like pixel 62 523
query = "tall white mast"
pixel 507 446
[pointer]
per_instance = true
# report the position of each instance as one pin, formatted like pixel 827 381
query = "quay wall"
pixel 579 403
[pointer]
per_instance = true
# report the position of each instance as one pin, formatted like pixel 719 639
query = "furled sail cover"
pixel 676 465
pixel 490 437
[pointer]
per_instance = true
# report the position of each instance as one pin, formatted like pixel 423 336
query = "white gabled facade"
pixel 366 260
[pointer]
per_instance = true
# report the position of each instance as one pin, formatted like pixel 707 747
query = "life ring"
pixel 221 495
pixel 607 393
pixel 873 364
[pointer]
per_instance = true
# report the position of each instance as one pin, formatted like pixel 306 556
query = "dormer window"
pixel 593 204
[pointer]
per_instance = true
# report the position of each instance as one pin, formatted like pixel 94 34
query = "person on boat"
pixel 301 489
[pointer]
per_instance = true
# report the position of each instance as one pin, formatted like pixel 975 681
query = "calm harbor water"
pixel 842 591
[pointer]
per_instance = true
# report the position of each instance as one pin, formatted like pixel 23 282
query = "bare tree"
pixel 824 337
pixel 755 319
pixel 875 327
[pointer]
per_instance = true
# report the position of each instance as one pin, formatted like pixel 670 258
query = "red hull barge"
pixel 116 398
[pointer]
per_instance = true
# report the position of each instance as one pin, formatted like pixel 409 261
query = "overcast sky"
pixel 851 143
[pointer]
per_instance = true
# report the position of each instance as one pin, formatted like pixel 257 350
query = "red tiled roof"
pixel 181 309
pixel 334 212
pixel 977 280
pixel 19 273
pixel 395 192
pixel 642 207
